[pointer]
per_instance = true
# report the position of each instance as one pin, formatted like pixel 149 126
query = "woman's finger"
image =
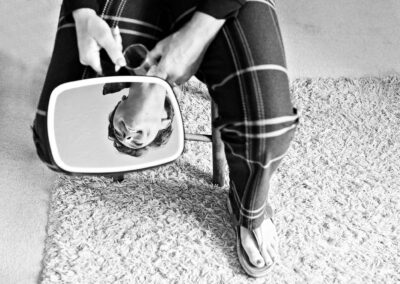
pixel 93 60
pixel 104 37
pixel 154 55
pixel 117 36
pixel 118 39
pixel 89 54
pixel 156 71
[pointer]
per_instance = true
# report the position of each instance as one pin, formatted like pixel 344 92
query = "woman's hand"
pixel 179 55
pixel 93 33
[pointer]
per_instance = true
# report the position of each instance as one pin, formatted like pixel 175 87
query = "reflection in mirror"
pixel 114 124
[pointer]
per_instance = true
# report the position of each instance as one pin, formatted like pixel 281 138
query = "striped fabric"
pixel 244 69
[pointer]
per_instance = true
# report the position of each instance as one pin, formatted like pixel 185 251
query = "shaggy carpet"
pixel 335 196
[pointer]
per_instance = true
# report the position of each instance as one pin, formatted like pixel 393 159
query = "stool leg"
pixel 118 178
pixel 217 151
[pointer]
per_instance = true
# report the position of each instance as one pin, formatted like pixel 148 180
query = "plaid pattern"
pixel 244 69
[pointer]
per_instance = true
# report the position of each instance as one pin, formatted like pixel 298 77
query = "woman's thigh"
pixel 245 66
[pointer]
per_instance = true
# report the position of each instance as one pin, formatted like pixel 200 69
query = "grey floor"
pixel 335 38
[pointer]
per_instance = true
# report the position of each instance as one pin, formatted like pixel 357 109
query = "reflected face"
pixel 140 116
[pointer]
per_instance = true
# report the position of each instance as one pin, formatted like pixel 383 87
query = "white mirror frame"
pixel 123 169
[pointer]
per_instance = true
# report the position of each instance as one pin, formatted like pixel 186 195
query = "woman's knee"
pixel 260 141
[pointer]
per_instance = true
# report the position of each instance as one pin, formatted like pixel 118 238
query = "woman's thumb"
pixel 156 71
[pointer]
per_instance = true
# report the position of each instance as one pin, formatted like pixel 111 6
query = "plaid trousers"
pixel 244 69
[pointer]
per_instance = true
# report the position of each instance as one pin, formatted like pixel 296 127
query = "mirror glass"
pixel 114 124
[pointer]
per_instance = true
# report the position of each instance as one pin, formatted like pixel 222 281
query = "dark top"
pixel 220 9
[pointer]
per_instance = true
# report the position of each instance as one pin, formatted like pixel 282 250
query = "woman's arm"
pixel 180 54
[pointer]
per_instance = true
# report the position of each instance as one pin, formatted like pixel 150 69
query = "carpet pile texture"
pixel 336 200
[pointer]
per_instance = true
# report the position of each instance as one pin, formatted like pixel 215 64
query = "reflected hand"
pixel 93 33
pixel 179 55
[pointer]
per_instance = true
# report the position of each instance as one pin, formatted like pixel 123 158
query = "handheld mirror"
pixel 95 128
